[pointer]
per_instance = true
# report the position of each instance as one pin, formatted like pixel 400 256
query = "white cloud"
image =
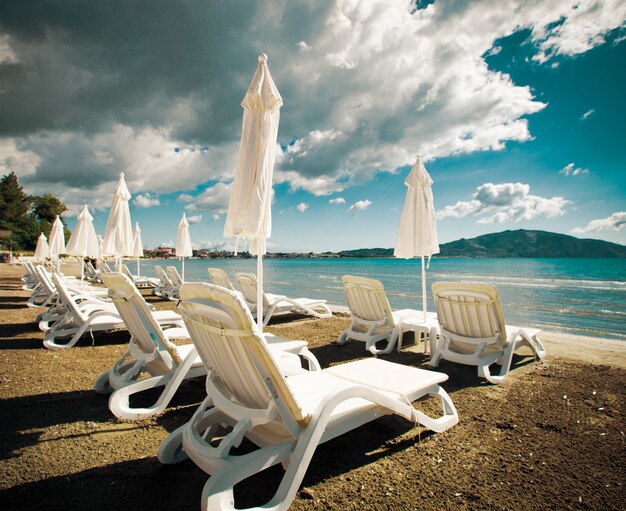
pixel 184 197
pixel 506 202
pixel 587 114
pixel 361 205
pixel 23 162
pixel 7 54
pixel 580 27
pixel 366 85
pixel 615 222
pixel 571 170
pixel 194 219
pixel 302 207
pixel 214 199
pixel 146 201
pixel 338 200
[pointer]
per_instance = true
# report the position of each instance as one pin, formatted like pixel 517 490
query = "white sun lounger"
pixel 372 319
pixel 150 353
pixel 166 289
pixel 80 319
pixel 287 415
pixel 275 304
pixel 473 332
pixel 220 278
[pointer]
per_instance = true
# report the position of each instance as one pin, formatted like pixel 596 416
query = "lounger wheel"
pixel 171 449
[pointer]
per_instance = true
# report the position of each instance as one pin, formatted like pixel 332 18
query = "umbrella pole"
pixel 424 300
pixel 183 268
pixel 138 271
pixel 259 291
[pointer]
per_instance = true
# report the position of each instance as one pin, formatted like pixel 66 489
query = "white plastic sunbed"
pixel 285 414
pixel 473 332
pixel 372 319
pixel 275 304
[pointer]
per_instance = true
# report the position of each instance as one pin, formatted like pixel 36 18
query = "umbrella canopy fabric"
pixel 57 238
pixel 83 241
pixel 183 242
pixel 417 232
pixel 137 246
pixel 249 210
pixel 118 235
pixel 137 243
pixel 42 250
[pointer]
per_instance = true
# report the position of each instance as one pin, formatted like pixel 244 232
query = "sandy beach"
pixel 551 437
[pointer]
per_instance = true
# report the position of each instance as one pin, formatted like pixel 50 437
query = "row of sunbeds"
pixel 256 384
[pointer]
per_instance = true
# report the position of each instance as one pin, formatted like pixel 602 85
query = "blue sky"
pixel 516 107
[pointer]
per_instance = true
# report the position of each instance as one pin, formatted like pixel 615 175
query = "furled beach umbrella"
pixel 249 210
pixel 417 233
pixel 118 236
pixel 42 250
pixel 57 240
pixel 83 241
pixel 183 242
pixel 137 246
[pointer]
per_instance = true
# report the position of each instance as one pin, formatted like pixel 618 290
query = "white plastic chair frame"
pixel 220 278
pixel 473 332
pixel 286 417
pixel 79 319
pixel 275 304
pixel 372 319
pixel 150 352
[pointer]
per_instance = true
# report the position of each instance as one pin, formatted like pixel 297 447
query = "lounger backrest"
pixel 469 309
pixel 105 267
pixel 248 284
pixel 145 330
pixel 68 299
pixel 160 272
pixel 220 278
pixel 234 350
pixel 127 272
pixel 45 278
pixel 174 276
pixel 367 299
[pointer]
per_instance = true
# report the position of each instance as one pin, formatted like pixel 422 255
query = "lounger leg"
pixel 119 402
pixel 449 418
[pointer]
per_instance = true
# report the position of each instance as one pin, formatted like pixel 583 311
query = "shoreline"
pixel 597 350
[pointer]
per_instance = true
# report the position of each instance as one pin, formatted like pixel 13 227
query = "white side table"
pixel 410 320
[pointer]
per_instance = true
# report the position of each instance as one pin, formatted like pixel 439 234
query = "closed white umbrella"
pixel 183 242
pixel 249 210
pixel 417 233
pixel 137 245
pixel 57 240
pixel 83 241
pixel 42 250
pixel 118 236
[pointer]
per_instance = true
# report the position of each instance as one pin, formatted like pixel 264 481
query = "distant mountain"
pixel 523 243
pixel 520 243
pixel 367 252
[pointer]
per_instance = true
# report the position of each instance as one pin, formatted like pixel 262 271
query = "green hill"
pixel 520 243
pixel 523 243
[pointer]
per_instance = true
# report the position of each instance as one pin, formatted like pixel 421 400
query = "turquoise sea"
pixel 573 296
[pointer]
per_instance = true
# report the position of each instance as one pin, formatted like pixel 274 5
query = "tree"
pixel 26 216
pixel 45 210
pixel 14 208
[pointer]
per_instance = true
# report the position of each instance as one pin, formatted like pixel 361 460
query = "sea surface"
pixel 572 296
